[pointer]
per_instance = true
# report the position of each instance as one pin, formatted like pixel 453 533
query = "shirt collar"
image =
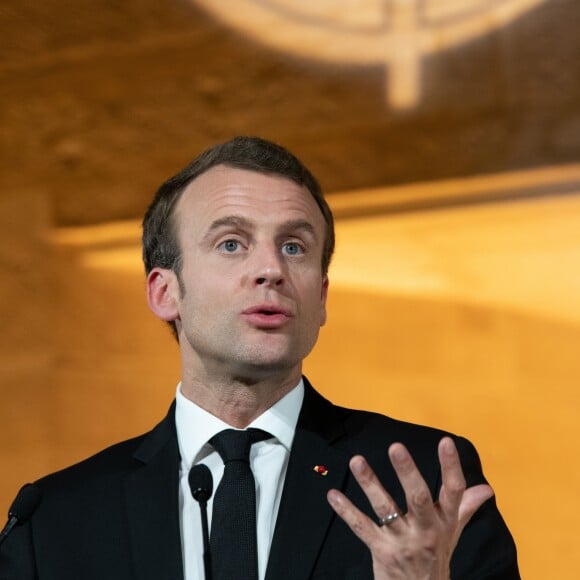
pixel 195 426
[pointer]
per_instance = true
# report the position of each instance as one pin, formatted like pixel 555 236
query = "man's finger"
pixel 419 499
pixel 453 480
pixel 381 501
pixel 361 525
pixel 473 498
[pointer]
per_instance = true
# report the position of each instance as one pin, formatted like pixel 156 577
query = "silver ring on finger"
pixel 388 519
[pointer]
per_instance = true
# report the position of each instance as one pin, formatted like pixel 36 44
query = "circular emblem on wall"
pixel 395 33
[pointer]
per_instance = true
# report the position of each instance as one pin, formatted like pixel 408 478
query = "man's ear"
pixel 163 293
pixel 324 296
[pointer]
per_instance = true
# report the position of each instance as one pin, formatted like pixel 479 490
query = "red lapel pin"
pixel 321 470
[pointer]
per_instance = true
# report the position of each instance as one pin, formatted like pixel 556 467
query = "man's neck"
pixel 237 401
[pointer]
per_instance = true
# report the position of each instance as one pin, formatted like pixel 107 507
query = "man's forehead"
pixel 227 176
pixel 222 186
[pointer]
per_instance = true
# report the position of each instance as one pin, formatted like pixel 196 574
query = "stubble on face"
pixel 248 241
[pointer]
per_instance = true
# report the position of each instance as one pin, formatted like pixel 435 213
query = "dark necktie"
pixel 233 541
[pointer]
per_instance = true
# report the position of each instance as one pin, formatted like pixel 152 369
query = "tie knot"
pixel 234 445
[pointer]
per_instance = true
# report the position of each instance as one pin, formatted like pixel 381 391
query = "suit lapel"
pixel 304 514
pixel 151 494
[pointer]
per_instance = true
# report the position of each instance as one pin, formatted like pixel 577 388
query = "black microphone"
pixel 201 485
pixel 21 509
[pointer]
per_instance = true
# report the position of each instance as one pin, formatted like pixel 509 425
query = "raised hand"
pixel 417 545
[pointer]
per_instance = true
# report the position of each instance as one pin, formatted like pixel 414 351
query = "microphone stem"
pixel 205 533
pixel 12 521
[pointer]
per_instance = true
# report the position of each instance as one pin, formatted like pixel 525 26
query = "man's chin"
pixel 260 368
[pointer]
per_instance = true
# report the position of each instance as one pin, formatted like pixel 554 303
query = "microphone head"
pixel 200 482
pixel 25 503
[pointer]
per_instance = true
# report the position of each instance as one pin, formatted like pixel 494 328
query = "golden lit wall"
pixel 468 319
pixel 463 317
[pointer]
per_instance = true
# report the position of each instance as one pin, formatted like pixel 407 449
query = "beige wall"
pixel 464 318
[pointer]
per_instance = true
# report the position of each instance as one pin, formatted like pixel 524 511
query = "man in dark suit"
pixel 236 249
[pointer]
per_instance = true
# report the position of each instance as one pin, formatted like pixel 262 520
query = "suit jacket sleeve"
pixel 486 549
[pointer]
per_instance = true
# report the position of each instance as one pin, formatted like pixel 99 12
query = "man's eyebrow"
pixel 227 221
pixel 299 224
pixel 244 223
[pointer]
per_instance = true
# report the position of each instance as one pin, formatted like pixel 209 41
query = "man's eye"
pixel 230 246
pixel 292 249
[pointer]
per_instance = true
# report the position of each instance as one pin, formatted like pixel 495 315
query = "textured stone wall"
pixel 101 100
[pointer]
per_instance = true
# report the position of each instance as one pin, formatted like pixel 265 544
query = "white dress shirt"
pixel 268 459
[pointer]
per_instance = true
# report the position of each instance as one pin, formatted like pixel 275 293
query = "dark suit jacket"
pixel 115 516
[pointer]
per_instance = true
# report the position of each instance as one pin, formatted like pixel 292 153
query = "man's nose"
pixel 268 267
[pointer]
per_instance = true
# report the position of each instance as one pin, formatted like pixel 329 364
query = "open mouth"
pixel 266 316
pixel 268 310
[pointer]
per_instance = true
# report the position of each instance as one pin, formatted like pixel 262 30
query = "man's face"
pixel 254 294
